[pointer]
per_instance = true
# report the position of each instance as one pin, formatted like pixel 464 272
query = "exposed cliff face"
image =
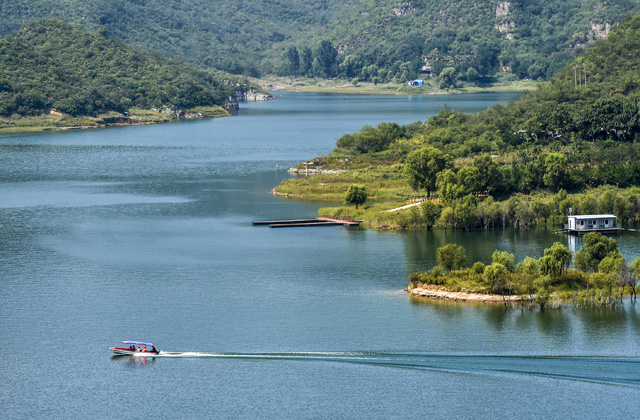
pixel 253 95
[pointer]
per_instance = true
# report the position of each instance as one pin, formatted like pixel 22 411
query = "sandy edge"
pixel 434 292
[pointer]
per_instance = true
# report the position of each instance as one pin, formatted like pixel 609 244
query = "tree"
pixel 447 77
pixel 466 213
pixel 306 61
pixel 595 248
pixel 556 174
pixel 556 259
pixel 448 186
pixel 326 55
pixel 505 258
pixel 488 173
pixel 451 257
pixel 423 165
pixel 541 209
pixel 430 213
pixel 634 276
pixel 472 75
pixel 293 59
pixel 469 179
pixel 355 195
pixel 495 275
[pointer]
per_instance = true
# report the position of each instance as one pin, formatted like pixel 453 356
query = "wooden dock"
pixel 318 221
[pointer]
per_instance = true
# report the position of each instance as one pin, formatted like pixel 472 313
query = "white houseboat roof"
pixel 594 216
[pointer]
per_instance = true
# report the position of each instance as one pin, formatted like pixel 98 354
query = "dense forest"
pixel 54 65
pixel 523 39
pixel 556 148
pixel 237 36
pixel 372 40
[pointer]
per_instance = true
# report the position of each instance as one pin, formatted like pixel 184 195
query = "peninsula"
pixel 570 144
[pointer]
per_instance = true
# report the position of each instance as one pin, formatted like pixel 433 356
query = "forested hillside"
pixel 373 40
pixel 238 36
pixel 525 38
pixel 52 64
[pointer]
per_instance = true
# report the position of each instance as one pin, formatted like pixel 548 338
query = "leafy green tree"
pixel 447 77
pixel 448 186
pixel 505 258
pixel 595 248
pixel 469 179
pixel 634 276
pixel 451 257
pixel 351 66
pixel 495 275
pixel 430 213
pixel 614 267
pixel 541 210
pixel 556 173
pixel 293 60
pixel 423 165
pixel 472 75
pixel 447 217
pixel 355 195
pixel 555 260
pixel 466 214
pixel 529 266
pixel 488 172
pixel 306 61
pixel 326 55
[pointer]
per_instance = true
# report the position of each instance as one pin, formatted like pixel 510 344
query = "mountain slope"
pixel 231 35
pixel 387 38
pixel 52 64
pixel 529 38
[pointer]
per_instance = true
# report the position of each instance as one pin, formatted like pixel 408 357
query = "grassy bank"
pixel 136 116
pixel 290 84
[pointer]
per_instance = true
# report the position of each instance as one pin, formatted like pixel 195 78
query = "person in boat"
pixel 153 349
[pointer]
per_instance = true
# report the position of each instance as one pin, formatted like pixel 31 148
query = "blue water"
pixel 144 233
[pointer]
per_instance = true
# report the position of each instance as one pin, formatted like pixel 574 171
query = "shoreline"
pixel 56 121
pixel 368 88
pixel 437 293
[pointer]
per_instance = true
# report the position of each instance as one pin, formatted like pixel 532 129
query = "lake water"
pixel 144 233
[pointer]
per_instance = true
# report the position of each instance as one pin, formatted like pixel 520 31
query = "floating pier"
pixel 318 221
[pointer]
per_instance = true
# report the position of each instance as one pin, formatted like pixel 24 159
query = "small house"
pixel 417 82
pixel 604 223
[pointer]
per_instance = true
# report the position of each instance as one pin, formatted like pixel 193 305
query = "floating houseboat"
pixel 603 223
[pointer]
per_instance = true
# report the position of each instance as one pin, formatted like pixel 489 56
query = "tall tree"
pixel 326 55
pixel 293 61
pixel 423 165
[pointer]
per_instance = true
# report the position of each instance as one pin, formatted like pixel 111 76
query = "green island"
pixel 569 145
pixel 600 276
pixel 57 76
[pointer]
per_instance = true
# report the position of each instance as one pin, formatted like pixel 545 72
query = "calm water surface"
pixel 145 233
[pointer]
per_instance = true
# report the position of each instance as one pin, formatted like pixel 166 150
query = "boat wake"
pixel 595 369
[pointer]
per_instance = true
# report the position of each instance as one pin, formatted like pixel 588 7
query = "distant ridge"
pixel 383 39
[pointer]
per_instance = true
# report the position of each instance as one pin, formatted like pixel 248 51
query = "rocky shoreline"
pixel 435 292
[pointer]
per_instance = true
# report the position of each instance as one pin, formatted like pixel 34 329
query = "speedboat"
pixel 143 349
